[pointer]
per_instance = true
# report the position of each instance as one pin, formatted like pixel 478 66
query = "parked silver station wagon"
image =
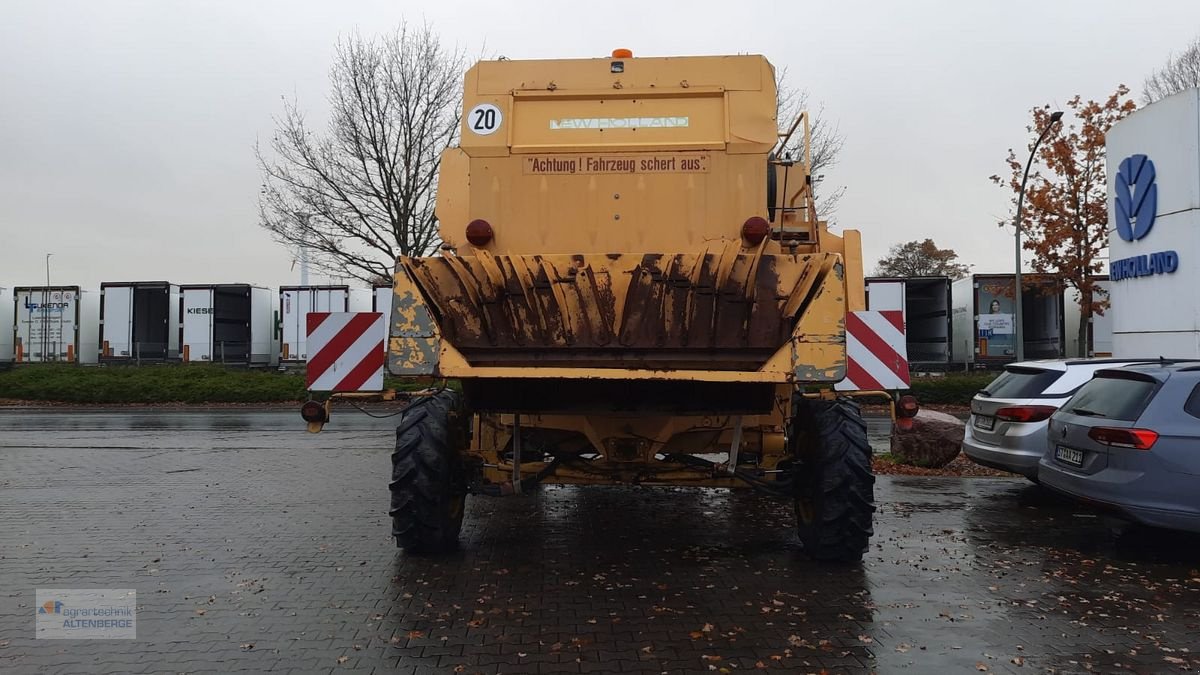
pixel 1129 440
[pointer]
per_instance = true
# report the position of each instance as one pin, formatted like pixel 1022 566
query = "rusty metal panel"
pixel 415 340
pixel 719 309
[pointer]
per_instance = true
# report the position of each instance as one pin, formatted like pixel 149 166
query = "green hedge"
pixel 198 383
pixel 205 383
pixel 164 383
pixel 953 388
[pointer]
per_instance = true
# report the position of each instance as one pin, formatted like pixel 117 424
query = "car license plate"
pixel 984 422
pixel 1069 456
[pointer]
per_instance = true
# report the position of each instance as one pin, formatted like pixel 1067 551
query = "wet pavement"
pixel 254 546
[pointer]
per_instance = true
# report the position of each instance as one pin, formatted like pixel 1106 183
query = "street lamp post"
pixel 46 314
pixel 1018 323
pixel 304 219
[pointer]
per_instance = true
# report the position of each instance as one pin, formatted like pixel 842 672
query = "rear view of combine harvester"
pixel 633 281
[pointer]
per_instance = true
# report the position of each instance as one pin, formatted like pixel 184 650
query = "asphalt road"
pixel 254 546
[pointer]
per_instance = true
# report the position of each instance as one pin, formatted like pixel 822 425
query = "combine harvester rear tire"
pixel 835 498
pixel 428 489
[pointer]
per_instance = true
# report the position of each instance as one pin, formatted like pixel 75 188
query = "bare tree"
pixel 1181 72
pixel 827 138
pixel 363 192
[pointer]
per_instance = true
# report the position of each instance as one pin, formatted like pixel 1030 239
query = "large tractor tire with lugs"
pixel 428 488
pixel 835 489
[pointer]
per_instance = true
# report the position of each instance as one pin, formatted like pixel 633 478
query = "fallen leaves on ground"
pixel 959 466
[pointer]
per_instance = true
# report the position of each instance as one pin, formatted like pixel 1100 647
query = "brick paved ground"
pixel 255 547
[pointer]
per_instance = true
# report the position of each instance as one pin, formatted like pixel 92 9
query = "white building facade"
pixel 1154 224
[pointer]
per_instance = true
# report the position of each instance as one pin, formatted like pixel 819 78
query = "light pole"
pixel 46 314
pixel 304 218
pixel 1018 327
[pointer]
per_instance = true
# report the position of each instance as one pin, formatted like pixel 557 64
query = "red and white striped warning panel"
pixel 876 354
pixel 346 351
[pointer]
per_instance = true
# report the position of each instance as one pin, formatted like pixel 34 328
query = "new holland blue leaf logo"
pixel 1137 197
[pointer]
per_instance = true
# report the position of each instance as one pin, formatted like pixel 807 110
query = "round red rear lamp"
pixel 314 411
pixel 908 406
pixel 755 229
pixel 479 232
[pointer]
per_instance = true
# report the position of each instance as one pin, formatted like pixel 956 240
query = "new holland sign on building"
pixel 1154 213
pixel 1136 207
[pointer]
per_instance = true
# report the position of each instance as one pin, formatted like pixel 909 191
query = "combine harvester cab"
pixel 633 288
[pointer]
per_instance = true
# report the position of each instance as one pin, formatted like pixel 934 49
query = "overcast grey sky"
pixel 127 128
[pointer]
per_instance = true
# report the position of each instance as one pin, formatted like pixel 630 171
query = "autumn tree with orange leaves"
pixel 1065 219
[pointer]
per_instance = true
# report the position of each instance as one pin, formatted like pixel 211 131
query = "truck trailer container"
pixel 1100 331
pixel 983 322
pixel 226 323
pixel 8 327
pixel 925 302
pixel 295 303
pixel 929 332
pixel 55 324
pixel 139 321
pixel 382 299
pixel 885 294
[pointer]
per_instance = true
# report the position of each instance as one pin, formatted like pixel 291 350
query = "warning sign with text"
pixel 658 163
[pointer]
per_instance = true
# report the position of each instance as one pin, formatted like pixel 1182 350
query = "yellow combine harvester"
pixel 633 288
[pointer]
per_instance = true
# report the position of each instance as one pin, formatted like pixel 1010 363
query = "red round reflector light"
pixel 314 411
pixel 479 232
pixel 908 406
pixel 755 229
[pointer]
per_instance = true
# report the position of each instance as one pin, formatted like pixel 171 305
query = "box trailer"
pixel 381 301
pixel 8 327
pixel 1100 332
pixel 885 294
pixel 55 324
pixel 925 302
pixel 295 303
pixel 927 321
pixel 983 322
pixel 139 321
pixel 226 323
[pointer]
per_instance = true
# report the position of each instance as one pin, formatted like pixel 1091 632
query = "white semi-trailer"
pixel 295 304
pixel 139 321
pixel 984 325
pixel 55 324
pixel 7 327
pixel 925 302
pixel 227 323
